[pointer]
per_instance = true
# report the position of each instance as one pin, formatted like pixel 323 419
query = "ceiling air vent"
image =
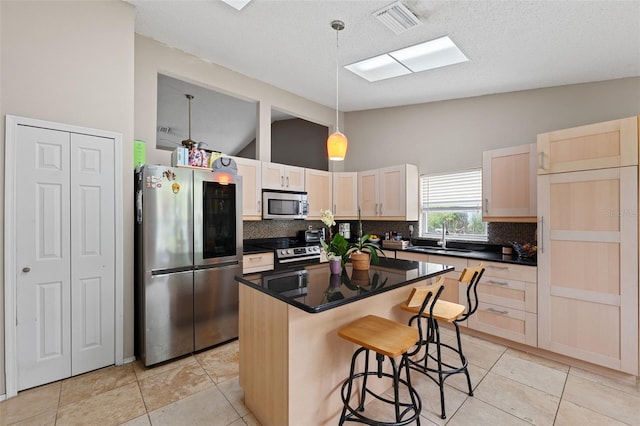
pixel 397 17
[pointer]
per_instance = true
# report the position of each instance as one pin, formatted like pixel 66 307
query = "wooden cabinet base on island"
pixel 292 363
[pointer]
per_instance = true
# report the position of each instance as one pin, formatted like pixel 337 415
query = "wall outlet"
pixel 410 229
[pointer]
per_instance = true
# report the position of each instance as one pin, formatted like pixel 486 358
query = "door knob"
pixel 26 269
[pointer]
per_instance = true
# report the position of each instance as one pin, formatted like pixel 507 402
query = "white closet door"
pixel 65 254
pixel 43 256
pixel 92 253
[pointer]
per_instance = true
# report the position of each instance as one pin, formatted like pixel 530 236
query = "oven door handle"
pixel 297 259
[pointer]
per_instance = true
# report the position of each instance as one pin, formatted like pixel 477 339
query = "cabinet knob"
pixel 26 269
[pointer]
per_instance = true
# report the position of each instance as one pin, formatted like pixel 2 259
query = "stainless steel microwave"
pixel 284 205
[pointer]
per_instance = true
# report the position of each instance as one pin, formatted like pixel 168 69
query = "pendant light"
pixel 337 142
pixel 189 143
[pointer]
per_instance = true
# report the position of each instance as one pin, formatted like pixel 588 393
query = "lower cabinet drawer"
pixel 508 323
pixel 512 294
pixel 258 262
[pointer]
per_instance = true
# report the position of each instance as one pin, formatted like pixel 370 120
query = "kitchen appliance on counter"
pixel 188 237
pixel 344 229
pixel 284 205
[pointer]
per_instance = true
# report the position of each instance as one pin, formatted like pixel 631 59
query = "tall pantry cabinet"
pixel 588 243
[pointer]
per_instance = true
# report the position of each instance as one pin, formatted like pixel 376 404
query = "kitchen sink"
pixel 438 250
pixel 459 250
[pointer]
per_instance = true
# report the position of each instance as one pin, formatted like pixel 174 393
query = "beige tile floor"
pixel 510 388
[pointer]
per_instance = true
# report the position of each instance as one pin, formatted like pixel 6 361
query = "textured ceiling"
pixel 512 45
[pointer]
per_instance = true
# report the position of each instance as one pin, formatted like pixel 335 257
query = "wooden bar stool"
pixel 386 338
pixel 453 313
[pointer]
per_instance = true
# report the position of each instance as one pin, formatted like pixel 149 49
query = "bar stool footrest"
pixel 409 407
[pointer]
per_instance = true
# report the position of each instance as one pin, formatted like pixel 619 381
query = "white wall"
pixel 71 62
pixel 153 58
pixel 451 135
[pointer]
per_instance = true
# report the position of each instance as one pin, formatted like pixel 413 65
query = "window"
pixel 454 199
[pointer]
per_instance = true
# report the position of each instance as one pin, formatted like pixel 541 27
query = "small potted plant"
pixel 336 251
pixel 362 252
pixel 336 248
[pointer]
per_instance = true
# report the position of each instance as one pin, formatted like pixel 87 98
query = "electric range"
pixel 291 252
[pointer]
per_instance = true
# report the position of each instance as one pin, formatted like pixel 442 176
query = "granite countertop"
pixel 473 254
pixel 468 250
pixel 314 289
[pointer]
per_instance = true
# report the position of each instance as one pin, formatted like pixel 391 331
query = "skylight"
pixel 237 4
pixel 437 53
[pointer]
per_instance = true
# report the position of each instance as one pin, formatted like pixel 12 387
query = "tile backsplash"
pixel 499 233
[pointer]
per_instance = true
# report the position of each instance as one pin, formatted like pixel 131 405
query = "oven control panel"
pixel 297 252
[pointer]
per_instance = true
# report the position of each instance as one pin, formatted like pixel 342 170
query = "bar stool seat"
pixel 443 311
pixel 389 339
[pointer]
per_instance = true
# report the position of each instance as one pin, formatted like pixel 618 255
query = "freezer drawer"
pixel 216 305
pixel 168 318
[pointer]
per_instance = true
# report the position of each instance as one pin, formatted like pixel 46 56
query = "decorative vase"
pixel 335 266
pixel 360 261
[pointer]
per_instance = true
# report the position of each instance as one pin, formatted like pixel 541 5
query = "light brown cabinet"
pixel 345 195
pixel 257 262
pixel 282 177
pixel 507 305
pixel 509 184
pixel 390 193
pixel 588 247
pixel 596 146
pixel 318 184
pixel 251 172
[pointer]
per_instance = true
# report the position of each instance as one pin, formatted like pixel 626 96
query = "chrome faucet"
pixel 443 242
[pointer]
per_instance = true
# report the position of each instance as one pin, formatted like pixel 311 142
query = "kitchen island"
pixel 292 362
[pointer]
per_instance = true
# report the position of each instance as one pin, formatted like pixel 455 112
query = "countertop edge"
pixel 479 255
pixel 242 280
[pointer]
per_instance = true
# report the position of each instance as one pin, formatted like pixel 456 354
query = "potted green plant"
pixel 362 252
pixel 336 251
pixel 336 248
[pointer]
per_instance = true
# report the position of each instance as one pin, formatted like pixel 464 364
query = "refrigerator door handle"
pixel 139 206
pixel 216 265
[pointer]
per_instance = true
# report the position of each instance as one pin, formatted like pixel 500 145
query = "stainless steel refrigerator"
pixel 188 250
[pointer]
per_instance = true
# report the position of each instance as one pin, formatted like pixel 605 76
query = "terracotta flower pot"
pixel 360 261
pixel 360 278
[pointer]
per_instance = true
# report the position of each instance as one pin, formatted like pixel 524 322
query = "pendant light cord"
pixel 337 80
pixel 189 97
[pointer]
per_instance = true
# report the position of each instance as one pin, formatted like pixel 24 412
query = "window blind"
pixel 452 191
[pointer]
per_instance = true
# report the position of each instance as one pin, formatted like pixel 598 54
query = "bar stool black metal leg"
pixel 346 398
pixel 463 359
pixel 441 376
pixel 415 399
pixel 363 391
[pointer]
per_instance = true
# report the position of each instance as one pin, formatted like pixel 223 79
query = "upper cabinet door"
pixel 294 178
pixel 509 184
pixel 251 172
pixel 596 146
pixel 392 191
pixel 319 188
pixel 345 195
pixel 272 175
pixel 282 177
pixel 368 193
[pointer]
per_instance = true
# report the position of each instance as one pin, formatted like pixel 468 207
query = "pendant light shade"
pixel 337 142
pixel 337 146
